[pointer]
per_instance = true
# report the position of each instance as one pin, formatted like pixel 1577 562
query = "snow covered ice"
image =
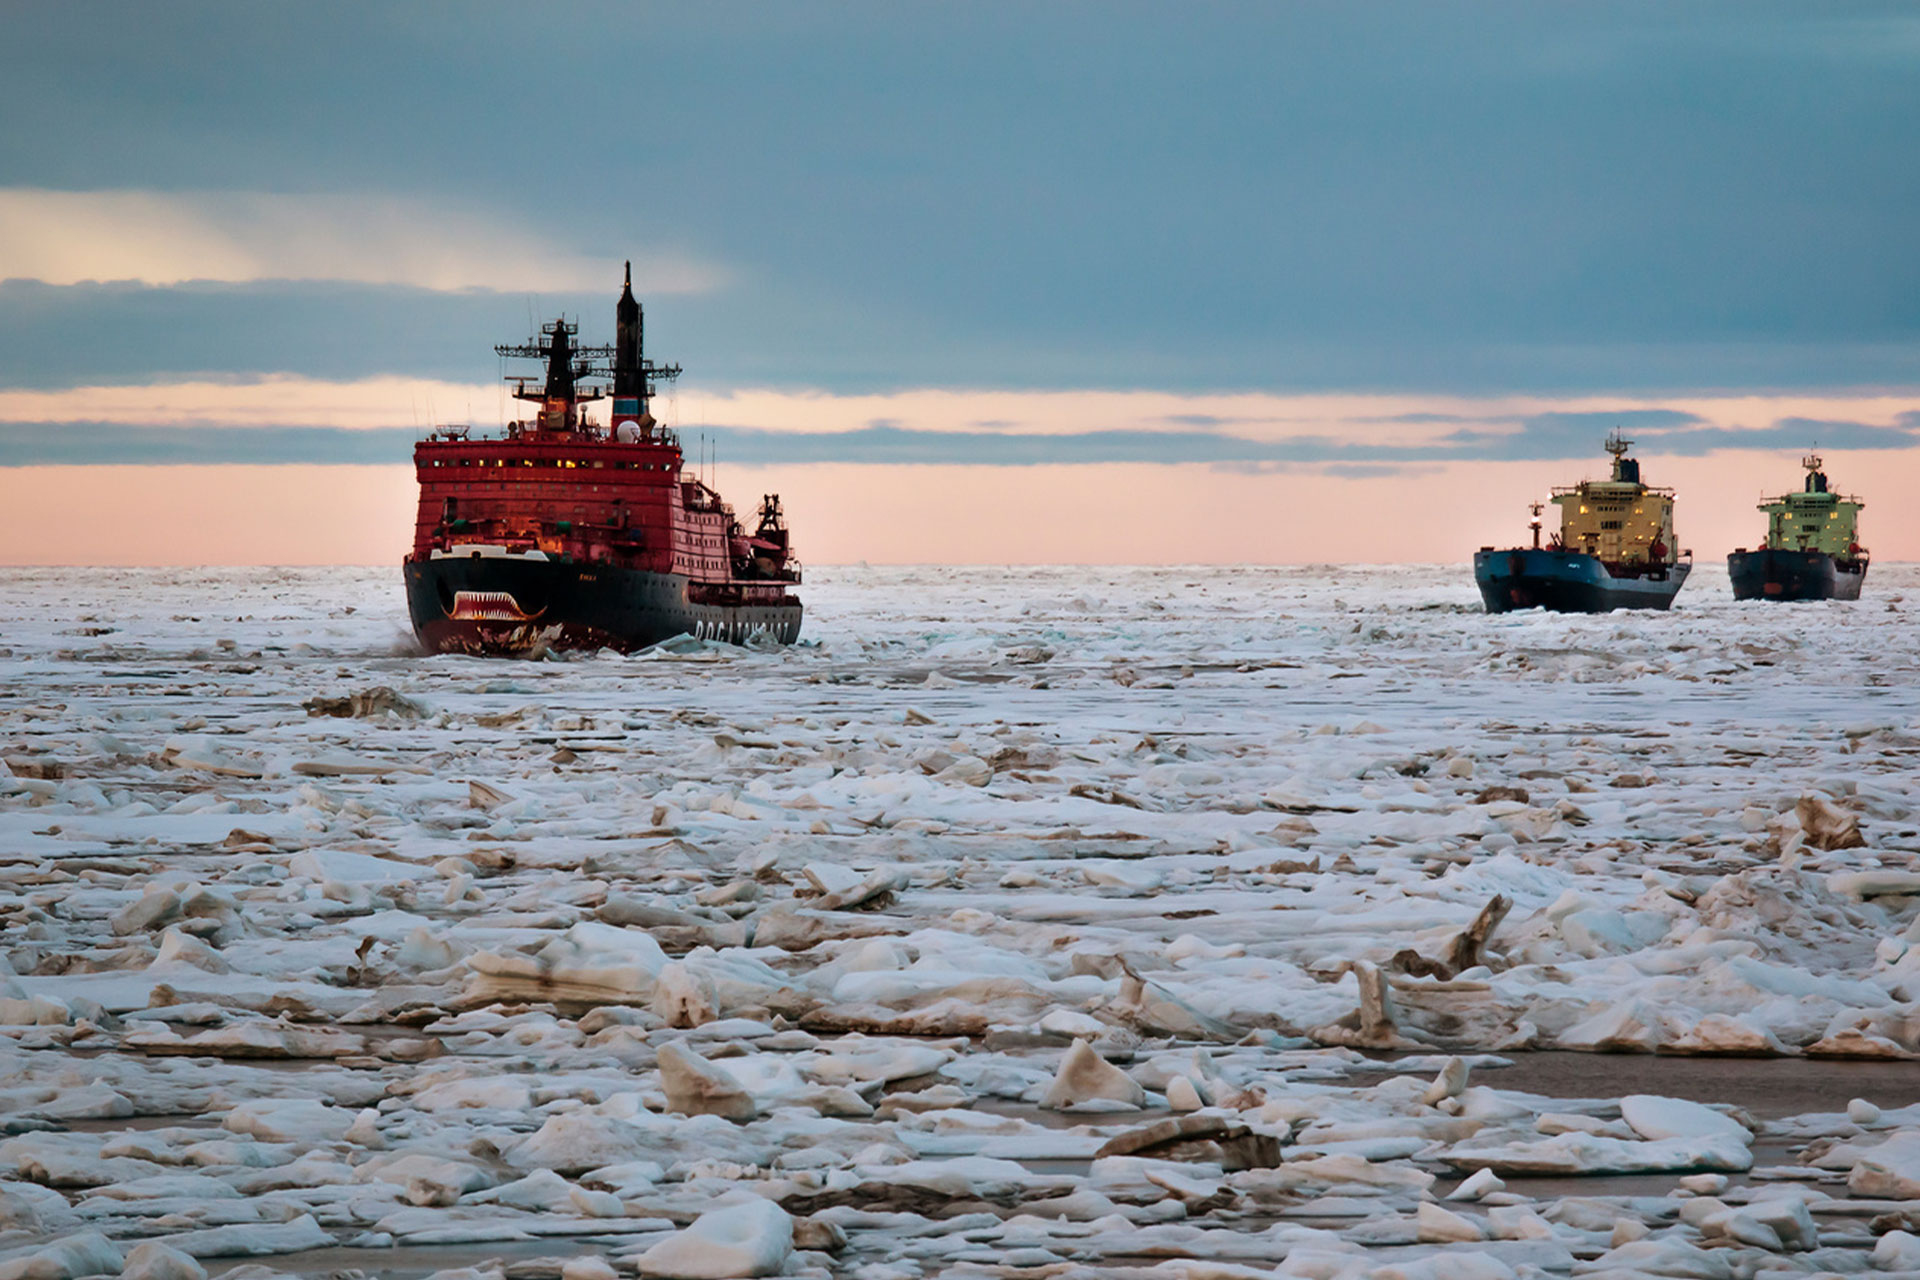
pixel 1065 922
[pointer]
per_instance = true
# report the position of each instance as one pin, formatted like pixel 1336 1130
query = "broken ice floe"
pixel 1053 938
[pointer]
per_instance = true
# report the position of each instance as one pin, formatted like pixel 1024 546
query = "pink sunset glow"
pixel 1109 513
pixel 957 512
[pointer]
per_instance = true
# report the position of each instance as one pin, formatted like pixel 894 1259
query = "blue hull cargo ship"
pixel 1615 549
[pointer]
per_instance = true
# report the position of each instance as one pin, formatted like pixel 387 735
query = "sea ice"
pixel 313 943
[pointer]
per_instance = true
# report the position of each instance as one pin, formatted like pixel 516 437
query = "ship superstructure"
pixel 1812 550
pixel 1615 549
pixel 568 532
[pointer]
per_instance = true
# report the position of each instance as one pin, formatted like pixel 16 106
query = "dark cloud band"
pixel 1541 437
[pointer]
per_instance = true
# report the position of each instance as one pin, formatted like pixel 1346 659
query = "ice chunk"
pixel 1656 1117
pixel 576 1141
pixel 1084 1078
pixel 1182 1095
pixel 705 985
pixel 1442 1226
pixel 366 704
pixel 591 961
pixel 86 1254
pixel 1579 1153
pixel 1665 1257
pixel 1450 1083
pixel 830 877
pixel 1517 1222
pixel 1877 883
pixel 156 1260
pixel 346 866
pixel 197 753
pixel 742 1240
pixel 1889 1171
pixel 303 1120
pixel 155 907
pixel 1477 1186
pixel 1826 825
pixel 253 1239
pixel 1897 1251
pixel 36 1209
pixel 696 1087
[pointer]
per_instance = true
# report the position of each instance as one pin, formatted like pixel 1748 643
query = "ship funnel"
pixel 629 327
pixel 1816 478
pixel 560 363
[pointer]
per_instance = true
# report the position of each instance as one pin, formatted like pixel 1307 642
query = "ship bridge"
pixel 1622 520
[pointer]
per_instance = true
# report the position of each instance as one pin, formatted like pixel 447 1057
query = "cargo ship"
pixel 1812 551
pixel 566 532
pixel 1615 549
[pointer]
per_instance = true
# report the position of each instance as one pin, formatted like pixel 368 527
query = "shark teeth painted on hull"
pixel 489 606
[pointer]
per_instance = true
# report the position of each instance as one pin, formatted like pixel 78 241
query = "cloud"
pixel 76 443
pixel 1429 419
pixel 1792 433
pixel 290 419
pixel 1200 420
pixel 887 443
pixel 169 237
pixel 276 401
pixel 1377 470
pixel 1562 434
pixel 25 444
pixel 1482 198
pixel 746 336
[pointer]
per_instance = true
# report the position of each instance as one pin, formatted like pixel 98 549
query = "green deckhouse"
pixel 1815 519
pixel 1812 551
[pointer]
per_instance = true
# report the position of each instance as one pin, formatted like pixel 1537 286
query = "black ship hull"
pixel 1768 574
pixel 1569 582
pixel 512 605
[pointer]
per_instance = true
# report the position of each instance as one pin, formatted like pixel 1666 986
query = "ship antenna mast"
pixel 1617 445
pixel 1534 524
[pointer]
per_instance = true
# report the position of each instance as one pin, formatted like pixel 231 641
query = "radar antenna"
pixel 1625 470
pixel 1534 524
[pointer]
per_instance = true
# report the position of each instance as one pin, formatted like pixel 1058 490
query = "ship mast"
pixel 634 377
pixel 1816 478
pixel 1617 445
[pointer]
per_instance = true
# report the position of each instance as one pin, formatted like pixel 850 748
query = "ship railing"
pixel 1573 490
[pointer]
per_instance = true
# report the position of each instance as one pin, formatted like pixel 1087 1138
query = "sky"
pixel 976 282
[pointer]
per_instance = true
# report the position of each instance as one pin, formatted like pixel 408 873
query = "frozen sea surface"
pixel 1170 922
